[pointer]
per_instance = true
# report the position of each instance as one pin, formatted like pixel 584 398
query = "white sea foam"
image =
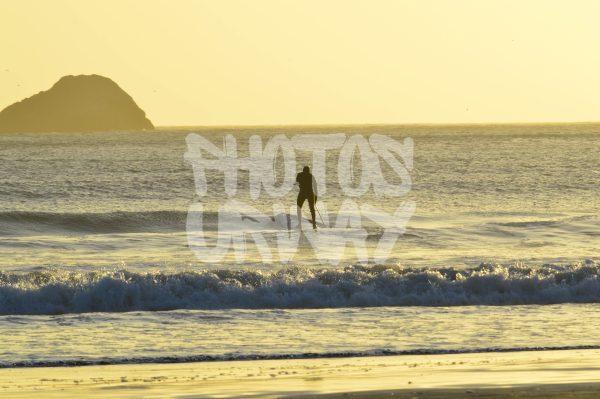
pixel 56 292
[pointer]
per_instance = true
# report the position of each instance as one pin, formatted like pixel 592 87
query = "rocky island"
pixel 82 103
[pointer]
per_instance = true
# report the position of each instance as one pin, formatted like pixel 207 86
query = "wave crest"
pixel 57 292
pixel 25 223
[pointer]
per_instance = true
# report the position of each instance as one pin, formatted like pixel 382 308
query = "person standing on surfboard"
pixel 308 191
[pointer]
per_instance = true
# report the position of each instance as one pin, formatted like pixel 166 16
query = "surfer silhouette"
pixel 308 192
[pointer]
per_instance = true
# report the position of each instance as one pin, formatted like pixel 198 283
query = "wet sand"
pixel 582 391
pixel 548 374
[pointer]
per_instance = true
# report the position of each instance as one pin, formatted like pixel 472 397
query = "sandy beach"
pixel 556 374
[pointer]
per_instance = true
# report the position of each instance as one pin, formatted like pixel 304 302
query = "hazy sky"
pixel 325 61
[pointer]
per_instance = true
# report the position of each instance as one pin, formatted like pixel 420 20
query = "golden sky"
pixel 307 62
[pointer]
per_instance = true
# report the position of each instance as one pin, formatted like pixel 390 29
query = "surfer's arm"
pixel 314 187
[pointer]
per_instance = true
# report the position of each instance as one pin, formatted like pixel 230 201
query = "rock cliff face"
pixel 82 103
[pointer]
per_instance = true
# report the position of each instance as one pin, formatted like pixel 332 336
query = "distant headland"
pixel 82 103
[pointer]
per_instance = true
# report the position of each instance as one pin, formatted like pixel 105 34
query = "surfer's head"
pixel 306 169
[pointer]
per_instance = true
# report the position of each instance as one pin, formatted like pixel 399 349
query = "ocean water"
pixel 98 264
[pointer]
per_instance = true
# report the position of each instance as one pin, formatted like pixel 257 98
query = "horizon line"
pixel 170 126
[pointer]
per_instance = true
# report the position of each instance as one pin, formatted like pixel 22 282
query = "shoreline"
pixel 560 373
pixel 191 359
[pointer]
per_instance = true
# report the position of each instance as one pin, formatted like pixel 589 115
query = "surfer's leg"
pixel 311 206
pixel 299 203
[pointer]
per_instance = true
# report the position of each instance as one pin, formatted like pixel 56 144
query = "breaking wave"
pixel 59 291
